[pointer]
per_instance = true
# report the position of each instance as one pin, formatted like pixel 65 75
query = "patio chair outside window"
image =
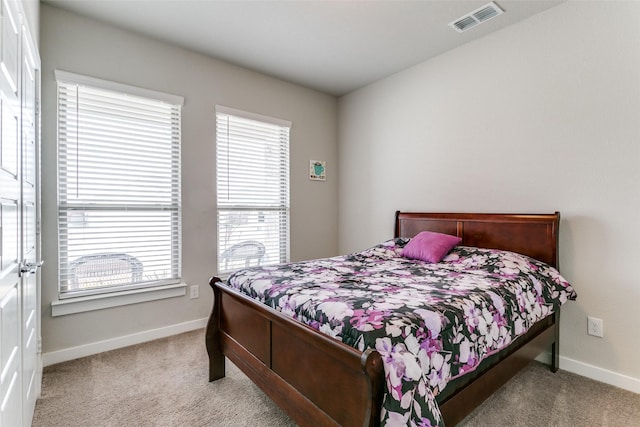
pixel 104 269
pixel 243 254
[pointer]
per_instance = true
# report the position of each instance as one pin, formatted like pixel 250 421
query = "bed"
pixel 320 381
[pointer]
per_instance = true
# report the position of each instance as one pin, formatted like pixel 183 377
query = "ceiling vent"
pixel 478 16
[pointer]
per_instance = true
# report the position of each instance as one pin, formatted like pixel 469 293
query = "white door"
pixel 20 365
pixel 31 368
pixel 10 188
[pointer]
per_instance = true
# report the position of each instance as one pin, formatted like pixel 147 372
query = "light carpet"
pixel 164 383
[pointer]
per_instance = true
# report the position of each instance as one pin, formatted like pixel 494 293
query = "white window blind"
pixel 252 171
pixel 118 186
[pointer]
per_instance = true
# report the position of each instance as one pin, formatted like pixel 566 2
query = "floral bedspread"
pixel 431 323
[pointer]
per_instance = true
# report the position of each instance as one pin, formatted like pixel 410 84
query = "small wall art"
pixel 317 170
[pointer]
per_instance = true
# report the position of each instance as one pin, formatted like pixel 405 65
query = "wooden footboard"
pixel 317 380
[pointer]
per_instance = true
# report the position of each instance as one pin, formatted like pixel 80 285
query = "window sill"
pixel 116 299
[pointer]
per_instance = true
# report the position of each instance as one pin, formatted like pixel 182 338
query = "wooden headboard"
pixel 535 235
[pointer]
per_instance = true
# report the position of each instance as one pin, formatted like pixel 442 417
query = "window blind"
pixel 252 171
pixel 119 209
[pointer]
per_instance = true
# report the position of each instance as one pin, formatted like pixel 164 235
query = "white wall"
pixel 76 44
pixel 541 116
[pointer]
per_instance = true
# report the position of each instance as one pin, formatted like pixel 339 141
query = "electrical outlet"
pixel 595 327
pixel 194 291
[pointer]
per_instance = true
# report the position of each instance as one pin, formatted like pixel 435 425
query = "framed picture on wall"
pixel 317 170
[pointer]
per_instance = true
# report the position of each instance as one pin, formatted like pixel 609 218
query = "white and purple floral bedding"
pixel 431 323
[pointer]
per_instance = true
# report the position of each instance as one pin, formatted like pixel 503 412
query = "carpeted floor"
pixel 538 397
pixel 164 383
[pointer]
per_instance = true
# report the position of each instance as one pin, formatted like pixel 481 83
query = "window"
pixel 118 186
pixel 252 171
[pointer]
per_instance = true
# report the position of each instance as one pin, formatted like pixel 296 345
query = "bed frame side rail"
pixel 543 336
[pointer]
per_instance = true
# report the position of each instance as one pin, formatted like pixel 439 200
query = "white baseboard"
pixel 595 373
pixel 66 354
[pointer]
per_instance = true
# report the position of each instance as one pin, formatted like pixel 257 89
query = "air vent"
pixel 478 16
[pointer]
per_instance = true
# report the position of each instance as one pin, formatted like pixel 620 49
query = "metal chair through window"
pixel 249 252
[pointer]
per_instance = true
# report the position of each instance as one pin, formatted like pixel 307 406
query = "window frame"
pixel 284 207
pixel 128 292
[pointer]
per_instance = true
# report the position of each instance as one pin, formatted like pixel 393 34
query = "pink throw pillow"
pixel 430 246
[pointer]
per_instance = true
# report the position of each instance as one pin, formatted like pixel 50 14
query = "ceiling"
pixel 332 46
